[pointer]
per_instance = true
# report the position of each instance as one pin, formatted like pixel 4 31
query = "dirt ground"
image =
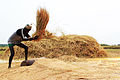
pixel 54 69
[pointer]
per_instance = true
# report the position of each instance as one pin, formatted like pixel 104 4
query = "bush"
pixel 104 45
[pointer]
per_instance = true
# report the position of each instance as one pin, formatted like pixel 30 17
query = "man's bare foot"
pixel 9 67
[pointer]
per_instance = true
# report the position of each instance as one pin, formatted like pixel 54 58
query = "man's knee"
pixel 26 48
pixel 12 54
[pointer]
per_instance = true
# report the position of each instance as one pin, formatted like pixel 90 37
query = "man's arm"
pixel 28 39
pixel 18 32
pixel 26 35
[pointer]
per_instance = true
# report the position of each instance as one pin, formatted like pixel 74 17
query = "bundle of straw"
pixel 42 19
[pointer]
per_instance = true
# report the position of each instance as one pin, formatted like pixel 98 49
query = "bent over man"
pixel 16 39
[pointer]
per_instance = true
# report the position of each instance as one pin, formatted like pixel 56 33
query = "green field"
pixel 113 52
pixel 3 48
pixel 111 47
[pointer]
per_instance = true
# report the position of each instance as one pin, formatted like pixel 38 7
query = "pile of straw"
pixel 70 45
pixel 42 19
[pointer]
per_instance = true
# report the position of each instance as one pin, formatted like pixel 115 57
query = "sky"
pixel 97 18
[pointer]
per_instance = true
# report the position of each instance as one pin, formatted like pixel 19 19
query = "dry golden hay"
pixel 48 35
pixel 71 45
pixel 69 58
pixel 42 19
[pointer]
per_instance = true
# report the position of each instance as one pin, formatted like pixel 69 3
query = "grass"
pixel 3 48
pixel 113 52
pixel 111 47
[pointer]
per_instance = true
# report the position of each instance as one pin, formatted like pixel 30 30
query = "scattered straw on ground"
pixel 54 69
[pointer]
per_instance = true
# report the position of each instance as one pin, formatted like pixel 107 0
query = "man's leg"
pixel 26 49
pixel 11 56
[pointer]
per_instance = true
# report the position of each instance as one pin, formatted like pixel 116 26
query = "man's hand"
pixel 30 39
pixel 36 37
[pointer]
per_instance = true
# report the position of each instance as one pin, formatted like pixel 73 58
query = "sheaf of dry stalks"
pixel 42 19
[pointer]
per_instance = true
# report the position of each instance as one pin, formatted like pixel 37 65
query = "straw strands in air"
pixel 42 19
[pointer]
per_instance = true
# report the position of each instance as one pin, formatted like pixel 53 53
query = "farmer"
pixel 16 39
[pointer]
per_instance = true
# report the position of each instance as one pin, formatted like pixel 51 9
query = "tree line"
pixel 3 45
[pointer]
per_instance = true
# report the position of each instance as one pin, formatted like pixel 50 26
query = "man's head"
pixel 28 27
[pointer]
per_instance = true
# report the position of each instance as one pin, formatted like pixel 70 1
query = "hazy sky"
pixel 97 18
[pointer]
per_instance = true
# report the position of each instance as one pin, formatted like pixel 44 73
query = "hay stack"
pixel 71 45
pixel 42 19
